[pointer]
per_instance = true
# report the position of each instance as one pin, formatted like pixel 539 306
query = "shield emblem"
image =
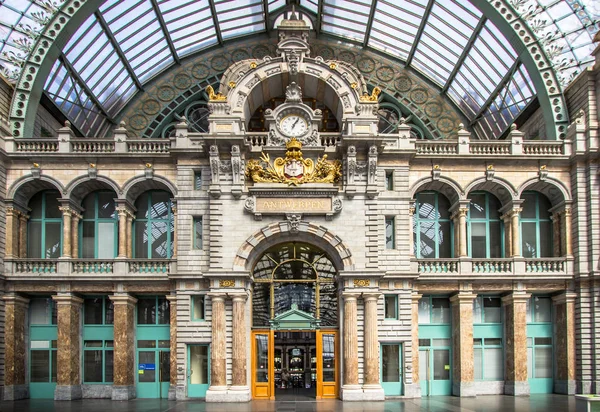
pixel 293 169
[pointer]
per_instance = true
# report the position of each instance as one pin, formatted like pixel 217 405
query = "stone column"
pixel 515 232
pixel 15 316
pixel 124 347
pixel 515 348
pixel 351 390
pixel 507 235
pixel 172 346
pixel 174 240
pixel 456 224
pixel 564 348
pixel 67 213
pixel 566 231
pixel 68 354
pixel 123 240
pixel 75 234
pixel 23 235
pixel 557 238
pixel 462 222
pixel 372 386
pixel 12 233
pixel 128 236
pixel 218 382
pixel 462 344
pixel 239 390
pixel 411 215
pixel 415 337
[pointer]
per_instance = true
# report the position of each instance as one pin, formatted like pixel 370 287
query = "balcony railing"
pixel 517 267
pixel 89 268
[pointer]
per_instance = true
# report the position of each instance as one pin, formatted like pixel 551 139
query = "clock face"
pixel 293 125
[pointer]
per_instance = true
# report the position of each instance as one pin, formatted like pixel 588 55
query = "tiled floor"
pixel 534 403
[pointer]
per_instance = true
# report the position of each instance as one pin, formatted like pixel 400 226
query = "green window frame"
pixel 484 214
pixel 198 307
pixel 390 232
pixel 106 310
pixel 390 307
pixel 43 336
pixel 98 361
pixel 536 226
pixel 197 180
pixel 42 369
pixel 433 231
pixel 97 206
pixel 153 228
pixel 45 220
pixel 487 310
pixel 153 310
pixel 198 226
pixel 434 310
pixel 488 354
pixel 539 310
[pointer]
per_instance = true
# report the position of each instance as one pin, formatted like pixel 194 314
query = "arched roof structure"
pixel 490 59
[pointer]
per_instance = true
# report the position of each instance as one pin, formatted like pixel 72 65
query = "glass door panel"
pixel 391 369
pixel 327 365
pixel 164 362
pixel 262 365
pixel 198 370
pixel 424 372
pixel 441 372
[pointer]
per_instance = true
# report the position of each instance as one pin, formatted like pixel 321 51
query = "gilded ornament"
pixel 253 65
pixel 231 85
pixel 373 97
pixel 332 66
pixel 353 85
pixel 226 283
pixel 293 169
pixel 362 283
pixel 215 96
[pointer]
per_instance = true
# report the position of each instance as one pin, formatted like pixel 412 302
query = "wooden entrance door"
pixel 327 364
pixel 263 375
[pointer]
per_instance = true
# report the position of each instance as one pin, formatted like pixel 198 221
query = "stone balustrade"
pixel 561 267
pixel 88 268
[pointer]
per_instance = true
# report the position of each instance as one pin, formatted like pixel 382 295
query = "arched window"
pixel 44 229
pixel 153 228
pixel 485 226
pixel 536 226
pixel 98 228
pixel 432 227
pixel 294 276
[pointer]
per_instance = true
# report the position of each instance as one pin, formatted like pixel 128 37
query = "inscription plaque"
pixel 287 205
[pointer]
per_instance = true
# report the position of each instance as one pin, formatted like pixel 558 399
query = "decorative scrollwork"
pixel 215 96
pixel 371 98
pixel 362 283
pixel 226 283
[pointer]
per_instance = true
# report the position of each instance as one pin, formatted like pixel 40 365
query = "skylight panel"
pixel 346 18
pixel 275 4
pixel 190 25
pixel 239 17
pixel 395 27
pixel 311 5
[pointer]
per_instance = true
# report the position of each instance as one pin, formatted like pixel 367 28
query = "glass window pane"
pixel 477 367
pixel 444 240
pixel 88 235
pixel 390 363
pixel 477 207
pixel 495 239
pixel 52 210
pixel 141 240
pixel 390 307
pixel 424 310
pixel 492 310
pixel 92 309
pixel 261 343
pixel 443 207
pixel 146 309
pixel 34 240
pixel 52 243
pixel 328 358
pixel 40 366
pixel 197 180
pixel 197 233
pixel 544 205
pixel 542 309
pixel 92 366
pixel 108 365
pixel 159 240
pixel 440 310
pixel 478 240
pixel 477 309
pixel 109 318
pixel 40 311
pixel 198 305
pixel 164 312
pixel 35 204
pixel 106 240
pixel 141 205
pixel 89 210
pixel 546 247
pixel 160 205
pixel 543 362
pixel 390 236
pixel 106 205
pixel 494 369
pixel 529 363
pixel 328 301
pixel 529 243
pixel 441 364
pixel 199 365
pixel 529 206
pixel 147 360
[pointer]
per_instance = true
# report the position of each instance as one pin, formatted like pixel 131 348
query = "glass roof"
pixel 124 44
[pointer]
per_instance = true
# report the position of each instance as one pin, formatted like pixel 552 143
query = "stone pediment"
pixel 295 319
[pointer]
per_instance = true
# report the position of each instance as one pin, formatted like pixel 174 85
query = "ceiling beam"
pixel 370 23
pixel 213 11
pixel 465 53
pixel 118 49
pixel 501 84
pixel 413 49
pixel 63 59
pixel 319 19
pixel 266 9
pixel 165 30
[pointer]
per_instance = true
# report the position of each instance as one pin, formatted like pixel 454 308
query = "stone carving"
pixel 293 93
pixel 250 204
pixel 275 139
pixel 371 98
pixel 92 171
pixel 337 205
pixel 436 172
pixel 226 283
pixel 293 169
pixel 351 164
pixel 293 62
pixel 489 172
pixel 215 164
pixel 311 139
pixel 543 172
pixel 236 165
pixel 294 222
pixel 372 171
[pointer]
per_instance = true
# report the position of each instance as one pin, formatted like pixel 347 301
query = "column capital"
pixel 123 299
pixel 371 296
pixel 217 296
pixel 238 297
pixel 516 297
pixel 565 297
pixel 462 298
pixel 350 295
pixel 67 299
pixel 15 299
pixel 415 297
pixel 172 299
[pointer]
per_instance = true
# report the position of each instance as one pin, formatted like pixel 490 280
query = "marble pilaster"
pixel 67 214
pixel 239 390
pixel 462 221
pixel 124 346
pixel 15 314
pixel 564 348
pixel 11 249
pixel 515 348
pixel 75 234
pixel 173 347
pixel 566 231
pixel 462 339
pixel 415 336
pixel 128 236
pixel 68 375
pixel 372 386
pixel 515 232
pixel 351 390
pixel 23 235
pixel 217 392
pixel 123 240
